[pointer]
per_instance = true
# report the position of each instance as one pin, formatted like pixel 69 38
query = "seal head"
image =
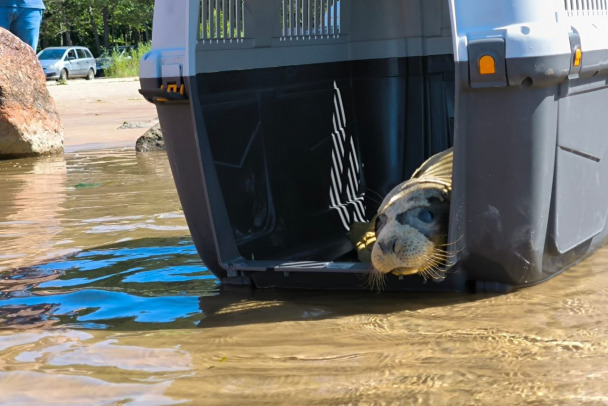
pixel 411 226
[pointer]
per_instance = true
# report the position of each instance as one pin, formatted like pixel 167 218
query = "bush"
pixel 127 65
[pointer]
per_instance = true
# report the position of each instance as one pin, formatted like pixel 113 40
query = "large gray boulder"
pixel 29 121
pixel 152 140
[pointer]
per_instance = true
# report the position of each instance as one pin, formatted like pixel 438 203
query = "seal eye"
pixel 426 216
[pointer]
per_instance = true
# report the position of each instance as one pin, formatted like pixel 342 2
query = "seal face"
pixel 412 222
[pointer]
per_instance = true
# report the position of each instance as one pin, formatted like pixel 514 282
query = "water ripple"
pixel 131 283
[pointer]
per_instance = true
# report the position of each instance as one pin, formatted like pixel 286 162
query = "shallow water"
pixel 105 299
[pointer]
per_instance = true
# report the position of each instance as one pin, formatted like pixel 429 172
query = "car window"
pixel 81 53
pixel 88 53
pixel 51 54
pixel 71 54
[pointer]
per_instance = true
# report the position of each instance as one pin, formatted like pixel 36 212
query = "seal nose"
pixel 386 247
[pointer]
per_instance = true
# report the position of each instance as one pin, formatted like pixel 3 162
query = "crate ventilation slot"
pixel 582 8
pixel 222 21
pixel 310 19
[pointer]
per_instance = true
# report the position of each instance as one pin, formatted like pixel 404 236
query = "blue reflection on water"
pixel 97 305
pixel 108 257
pixel 172 274
pixel 149 281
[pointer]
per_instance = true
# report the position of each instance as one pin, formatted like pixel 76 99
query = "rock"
pixel 137 124
pixel 29 121
pixel 152 140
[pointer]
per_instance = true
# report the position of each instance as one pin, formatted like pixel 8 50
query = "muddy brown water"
pixel 104 301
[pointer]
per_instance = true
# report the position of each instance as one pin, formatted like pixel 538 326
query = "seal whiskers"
pixel 376 280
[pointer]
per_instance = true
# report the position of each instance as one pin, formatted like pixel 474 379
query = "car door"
pixel 89 62
pixel 71 62
pixel 82 62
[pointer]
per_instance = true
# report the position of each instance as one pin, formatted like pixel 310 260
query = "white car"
pixel 67 62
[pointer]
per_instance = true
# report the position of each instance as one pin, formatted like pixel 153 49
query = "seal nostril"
pixel 387 247
pixel 383 247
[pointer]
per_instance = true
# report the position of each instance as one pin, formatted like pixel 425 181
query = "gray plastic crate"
pixel 286 120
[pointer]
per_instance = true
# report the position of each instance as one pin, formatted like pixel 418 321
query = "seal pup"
pixel 409 232
pixel 411 225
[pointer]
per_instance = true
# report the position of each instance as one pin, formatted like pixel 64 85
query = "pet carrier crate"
pixel 287 120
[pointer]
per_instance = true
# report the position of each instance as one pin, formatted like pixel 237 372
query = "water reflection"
pixel 96 240
pixel 26 316
pixel 32 191
pixel 119 309
pixel 53 206
pixel 136 284
pixel 78 365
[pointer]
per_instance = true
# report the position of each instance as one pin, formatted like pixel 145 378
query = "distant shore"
pixel 102 113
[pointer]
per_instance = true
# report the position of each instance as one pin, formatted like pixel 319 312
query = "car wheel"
pixel 63 75
pixel 91 74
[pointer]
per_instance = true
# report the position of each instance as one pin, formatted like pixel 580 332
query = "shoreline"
pixel 102 113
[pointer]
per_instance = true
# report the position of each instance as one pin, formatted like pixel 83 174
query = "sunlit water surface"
pixel 105 301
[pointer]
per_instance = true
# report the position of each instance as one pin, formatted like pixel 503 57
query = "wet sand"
pixel 93 113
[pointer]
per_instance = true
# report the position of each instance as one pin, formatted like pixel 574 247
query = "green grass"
pixel 127 66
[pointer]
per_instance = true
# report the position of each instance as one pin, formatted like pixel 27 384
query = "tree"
pixel 94 28
pixel 83 22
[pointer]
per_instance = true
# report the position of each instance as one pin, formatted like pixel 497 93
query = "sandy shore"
pixel 95 113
